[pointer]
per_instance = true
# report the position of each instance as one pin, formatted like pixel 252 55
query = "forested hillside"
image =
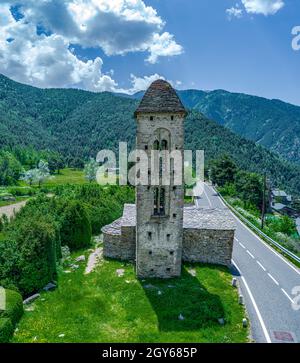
pixel 78 124
pixel 271 123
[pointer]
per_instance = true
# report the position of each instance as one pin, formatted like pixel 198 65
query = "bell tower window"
pixel 156 145
pixel 164 145
pixel 159 207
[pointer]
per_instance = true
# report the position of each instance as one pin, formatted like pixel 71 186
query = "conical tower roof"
pixel 160 97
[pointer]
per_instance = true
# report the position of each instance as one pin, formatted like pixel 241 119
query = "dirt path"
pixel 9 210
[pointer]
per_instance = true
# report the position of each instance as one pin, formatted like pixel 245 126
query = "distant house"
pixel 280 196
pixel 281 203
pixel 284 209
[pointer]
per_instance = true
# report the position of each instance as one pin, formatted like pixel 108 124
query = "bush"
pixel 228 190
pixel 20 192
pixel 282 224
pixel 14 307
pixel 37 255
pixel 9 257
pixel 76 231
pixel 6 330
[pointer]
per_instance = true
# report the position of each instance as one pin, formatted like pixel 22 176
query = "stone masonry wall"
pixel 159 240
pixel 112 246
pixel 208 246
pixel 120 247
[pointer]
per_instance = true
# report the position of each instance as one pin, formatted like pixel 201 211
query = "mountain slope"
pixel 79 124
pixel 271 123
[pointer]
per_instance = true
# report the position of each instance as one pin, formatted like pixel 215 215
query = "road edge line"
pixel 263 326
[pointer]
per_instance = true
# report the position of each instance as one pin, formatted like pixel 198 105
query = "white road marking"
pixel 261 265
pixel 263 326
pixel 263 242
pixel 287 295
pixel 236 239
pixel 242 245
pixel 249 253
pixel 276 282
pixel 207 197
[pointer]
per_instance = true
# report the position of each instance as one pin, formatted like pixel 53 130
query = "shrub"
pixel 14 307
pixel 76 231
pixel 20 192
pixel 6 330
pixel 228 190
pixel 37 255
pixel 9 256
pixel 282 224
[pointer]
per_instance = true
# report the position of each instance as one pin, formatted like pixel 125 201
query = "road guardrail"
pixel 252 226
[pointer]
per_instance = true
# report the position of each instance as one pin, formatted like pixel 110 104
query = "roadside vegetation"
pixel 244 191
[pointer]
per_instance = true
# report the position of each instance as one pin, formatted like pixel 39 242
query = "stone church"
pixel 159 232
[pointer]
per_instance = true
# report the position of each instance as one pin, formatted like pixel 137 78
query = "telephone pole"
pixel 263 212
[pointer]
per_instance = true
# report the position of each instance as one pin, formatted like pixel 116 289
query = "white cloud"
pixel 45 61
pixel 116 26
pixel 234 12
pixel 265 7
pixel 163 45
pixel 141 83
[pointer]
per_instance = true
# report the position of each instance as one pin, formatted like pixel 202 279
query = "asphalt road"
pixel 266 280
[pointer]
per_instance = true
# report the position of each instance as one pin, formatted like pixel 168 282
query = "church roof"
pixel 193 218
pixel 160 97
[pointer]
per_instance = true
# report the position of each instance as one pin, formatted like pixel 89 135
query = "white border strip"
pixel 288 296
pixel 263 326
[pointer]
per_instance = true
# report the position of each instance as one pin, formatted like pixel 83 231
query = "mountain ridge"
pixel 272 123
pixel 79 124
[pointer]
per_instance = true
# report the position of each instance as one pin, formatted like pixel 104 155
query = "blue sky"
pixel 122 45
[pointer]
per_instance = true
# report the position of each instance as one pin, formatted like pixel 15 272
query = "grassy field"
pixel 102 307
pixel 67 176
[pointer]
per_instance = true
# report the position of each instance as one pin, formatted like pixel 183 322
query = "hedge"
pixel 6 330
pixel 14 307
pixel 76 230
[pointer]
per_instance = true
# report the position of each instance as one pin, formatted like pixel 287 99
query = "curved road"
pixel 266 279
pixel 10 210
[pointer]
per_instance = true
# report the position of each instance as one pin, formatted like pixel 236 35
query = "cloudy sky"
pixel 123 45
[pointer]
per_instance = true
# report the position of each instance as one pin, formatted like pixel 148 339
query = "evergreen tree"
pixel 90 170
pixel 223 171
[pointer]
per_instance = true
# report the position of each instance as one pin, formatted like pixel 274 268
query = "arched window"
pixel 162 207
pixel 156 145
pixel 159 207
pixel 156 201
pixel 164 145
pixel 160 167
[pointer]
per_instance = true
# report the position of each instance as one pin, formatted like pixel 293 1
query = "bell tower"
pixel 159 223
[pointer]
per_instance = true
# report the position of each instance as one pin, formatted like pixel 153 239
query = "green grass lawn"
pixel 102 307
pixel 67 176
